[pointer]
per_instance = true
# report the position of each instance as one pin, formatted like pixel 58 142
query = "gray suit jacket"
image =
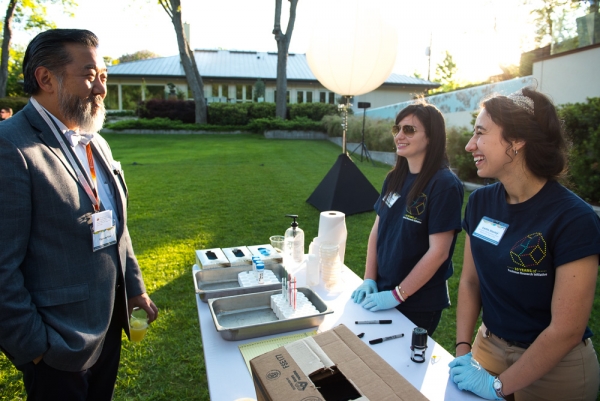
pixel 56 295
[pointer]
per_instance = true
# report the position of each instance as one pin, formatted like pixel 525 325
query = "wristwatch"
pixel 498 387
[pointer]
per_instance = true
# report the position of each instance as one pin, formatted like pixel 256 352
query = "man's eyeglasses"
pixel 409 130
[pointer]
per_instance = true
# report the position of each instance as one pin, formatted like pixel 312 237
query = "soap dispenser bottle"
pixel 294 242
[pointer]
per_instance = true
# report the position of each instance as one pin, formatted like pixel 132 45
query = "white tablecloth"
pixel 229 379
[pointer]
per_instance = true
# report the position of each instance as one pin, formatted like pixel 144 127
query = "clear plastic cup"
pixel 138 324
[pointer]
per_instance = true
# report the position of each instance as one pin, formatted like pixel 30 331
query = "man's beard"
pixel 88 114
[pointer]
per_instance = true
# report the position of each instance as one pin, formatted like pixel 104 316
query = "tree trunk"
pixel 187 60
pixel 10 10
pixel 283 44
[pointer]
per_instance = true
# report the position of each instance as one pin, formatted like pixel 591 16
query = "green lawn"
pixel 192 192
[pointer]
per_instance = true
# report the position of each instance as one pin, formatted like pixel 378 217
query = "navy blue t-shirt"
pixel 403 237
pixel 517 276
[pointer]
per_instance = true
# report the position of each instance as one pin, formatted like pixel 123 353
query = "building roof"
pixel 237 64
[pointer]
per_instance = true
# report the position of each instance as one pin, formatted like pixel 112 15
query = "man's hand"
pixel 38 359
pixel 144 302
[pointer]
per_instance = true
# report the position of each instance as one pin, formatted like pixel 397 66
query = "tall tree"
pixel 188 61
pixel 283 44
pixel 33 14
pixel 551 19
pixel 445 72
pixel 139 55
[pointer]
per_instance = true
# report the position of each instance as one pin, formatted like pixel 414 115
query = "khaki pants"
pixel 576 377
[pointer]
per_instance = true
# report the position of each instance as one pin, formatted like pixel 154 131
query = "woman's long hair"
pixel 435 153
pixel 545 150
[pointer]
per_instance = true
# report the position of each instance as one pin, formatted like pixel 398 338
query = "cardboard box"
pixel 333 365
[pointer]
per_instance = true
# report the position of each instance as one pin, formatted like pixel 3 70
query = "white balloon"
pixel 352 49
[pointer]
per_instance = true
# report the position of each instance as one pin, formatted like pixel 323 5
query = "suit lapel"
pixel 47 137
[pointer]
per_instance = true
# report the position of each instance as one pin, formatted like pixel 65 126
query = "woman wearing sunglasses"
pixel 530 262
pixel 409 254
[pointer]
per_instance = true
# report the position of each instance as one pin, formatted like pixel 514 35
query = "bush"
pixel 181 110
pixel 261 125
pixel 228 113
pixel 313 111
pixel 15 103
pixel 582 125
pixel 460 159
pixel 261 110
pixel 166 124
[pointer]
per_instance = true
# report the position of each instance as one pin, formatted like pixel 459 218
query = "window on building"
pixel 225 91
pixel 111 101
pixel 215 90
pixel 300 97
pixel 155 92
pixel 249 92
pixel 239 92
pixel 132 95
pixel 308 97
pixel 323 97
pixel 331 98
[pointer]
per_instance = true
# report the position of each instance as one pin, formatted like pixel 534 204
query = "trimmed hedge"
pixel 15 103
pixel 313 111
pixel 260 125
pixel 230 113
pixel 166 124
pixel 182 110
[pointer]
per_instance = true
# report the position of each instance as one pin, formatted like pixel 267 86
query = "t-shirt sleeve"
pixel 468 210
pixel 579 238
pixel 445 209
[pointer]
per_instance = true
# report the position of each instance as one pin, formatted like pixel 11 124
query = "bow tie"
pixel 76 138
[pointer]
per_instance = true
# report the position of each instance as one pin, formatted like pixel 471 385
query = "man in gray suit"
pixel 68 276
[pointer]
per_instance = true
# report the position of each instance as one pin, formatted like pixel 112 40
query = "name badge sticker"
pixel 490 230
pixel 102 220
pixel 391 199
pixel 104 230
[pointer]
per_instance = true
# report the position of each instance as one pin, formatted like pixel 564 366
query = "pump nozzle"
pixel 293 216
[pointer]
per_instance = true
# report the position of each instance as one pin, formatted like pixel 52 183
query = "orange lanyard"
pixel 90 158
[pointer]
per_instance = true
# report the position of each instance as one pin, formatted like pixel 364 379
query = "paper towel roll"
pixel 332 228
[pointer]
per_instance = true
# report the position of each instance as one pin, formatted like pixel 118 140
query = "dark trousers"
pixel 426 320
pixel 97 383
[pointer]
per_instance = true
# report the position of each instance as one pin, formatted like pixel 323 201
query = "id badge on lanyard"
pixel 104 231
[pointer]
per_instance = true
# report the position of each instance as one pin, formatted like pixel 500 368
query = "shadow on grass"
pixel 169 363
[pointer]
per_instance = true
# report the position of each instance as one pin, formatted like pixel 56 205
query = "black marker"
pixel 361 335
pixel 373 322
pixel 380 340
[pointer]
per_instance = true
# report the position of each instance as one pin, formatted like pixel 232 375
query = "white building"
pixel 229 76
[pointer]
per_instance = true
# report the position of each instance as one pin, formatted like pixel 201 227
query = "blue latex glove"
pixel 469 375
pixel 367 287
pixel 380 301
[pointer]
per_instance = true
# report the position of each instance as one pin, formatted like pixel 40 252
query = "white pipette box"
pixel 211 258
pixel 266 252
pixel 238 256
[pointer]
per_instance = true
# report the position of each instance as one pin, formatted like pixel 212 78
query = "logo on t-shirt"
pixel 527 254
pixel 416 208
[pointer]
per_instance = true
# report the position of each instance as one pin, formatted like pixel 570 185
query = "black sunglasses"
pixel 409 130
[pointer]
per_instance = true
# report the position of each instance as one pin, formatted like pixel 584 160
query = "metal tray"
pixel 217 283
pixel 248 316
